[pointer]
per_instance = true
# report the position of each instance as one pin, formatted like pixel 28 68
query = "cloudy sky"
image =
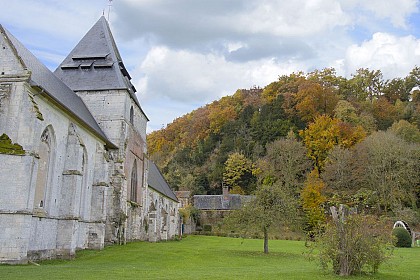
pixel 183 54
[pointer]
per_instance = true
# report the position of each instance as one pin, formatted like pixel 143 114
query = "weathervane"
pixel 109 7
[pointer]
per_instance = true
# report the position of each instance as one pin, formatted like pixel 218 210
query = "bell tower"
pixel 95 70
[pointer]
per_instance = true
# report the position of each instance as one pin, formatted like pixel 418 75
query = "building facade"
pixel 74 171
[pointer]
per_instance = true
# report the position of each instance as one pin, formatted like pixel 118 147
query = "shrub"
pixel 403 237
pixel 207 228
pixel 357 244
pixel 190 212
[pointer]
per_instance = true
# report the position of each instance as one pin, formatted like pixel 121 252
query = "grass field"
pixel 203 257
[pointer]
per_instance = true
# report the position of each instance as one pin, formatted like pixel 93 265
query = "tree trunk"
pixel 339 217
pixel 265 240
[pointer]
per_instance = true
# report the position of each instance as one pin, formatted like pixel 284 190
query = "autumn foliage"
pixel 341 128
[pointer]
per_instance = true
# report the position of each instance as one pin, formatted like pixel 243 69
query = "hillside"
pixel 325 112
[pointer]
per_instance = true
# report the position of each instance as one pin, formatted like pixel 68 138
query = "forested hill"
pixel 229 140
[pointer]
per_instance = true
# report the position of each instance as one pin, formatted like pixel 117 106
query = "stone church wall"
pixel 62 188
pixel 125 125
pixel 63 222
pixel 163 218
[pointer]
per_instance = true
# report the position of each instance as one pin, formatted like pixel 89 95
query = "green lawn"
pixel 203 257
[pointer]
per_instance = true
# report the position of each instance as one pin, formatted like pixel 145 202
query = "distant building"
pixel 184 198
pixel 74 171
pixel 213 208
pixel 226 201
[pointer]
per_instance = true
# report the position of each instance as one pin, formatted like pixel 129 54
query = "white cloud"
pixel 50 28
pixel 183 54
pixel 194 77
pixel 397 11
pixel 393 55
pixel 53 17
pixel 174 83
pixel 293 18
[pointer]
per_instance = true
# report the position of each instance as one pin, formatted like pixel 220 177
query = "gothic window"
pixel 133 192
pixel 131 115
pixel 44 166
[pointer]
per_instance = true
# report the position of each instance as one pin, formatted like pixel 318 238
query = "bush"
pixel 207 228
pixel 359 244
pixel 403 237
pixel 190 212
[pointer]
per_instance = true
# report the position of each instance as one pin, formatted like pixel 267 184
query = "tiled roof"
pixel 54 88
pixel 96 64
pixel 156 181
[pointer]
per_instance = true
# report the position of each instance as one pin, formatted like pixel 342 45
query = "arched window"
pixel 132 115
pixel 44 166
pixel 133 192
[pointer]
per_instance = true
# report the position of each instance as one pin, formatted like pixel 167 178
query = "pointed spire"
pixel 95 63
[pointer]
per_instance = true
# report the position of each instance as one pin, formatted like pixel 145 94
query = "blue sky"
pixel 184 54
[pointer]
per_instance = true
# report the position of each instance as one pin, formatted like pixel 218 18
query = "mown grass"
pixel 203 257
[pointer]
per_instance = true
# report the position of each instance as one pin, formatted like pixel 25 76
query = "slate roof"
pixel 54 88
pixel 219 202
pixel 156 181
pixel 96 64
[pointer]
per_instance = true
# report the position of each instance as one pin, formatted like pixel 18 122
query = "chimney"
pixel 225 197
pixel 225 192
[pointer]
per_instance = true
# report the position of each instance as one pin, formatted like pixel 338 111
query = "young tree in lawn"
pixel 272 205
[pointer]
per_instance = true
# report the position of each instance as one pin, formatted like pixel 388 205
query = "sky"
pixel 183 54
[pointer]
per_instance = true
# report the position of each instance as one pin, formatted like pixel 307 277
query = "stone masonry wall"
pixel 40 233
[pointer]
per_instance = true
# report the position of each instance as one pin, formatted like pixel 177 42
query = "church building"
pixel 74 171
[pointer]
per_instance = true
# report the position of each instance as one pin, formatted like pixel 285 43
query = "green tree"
pixel 366 85
pixel 397 89
pixel 389 166
pixel 326 77
pixel 238 174
pixel 270 122
pixel 407 131
pixel 272 205
pixel 346 112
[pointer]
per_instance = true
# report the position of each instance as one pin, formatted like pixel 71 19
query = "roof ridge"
pixel 53 87
pixel 156 181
